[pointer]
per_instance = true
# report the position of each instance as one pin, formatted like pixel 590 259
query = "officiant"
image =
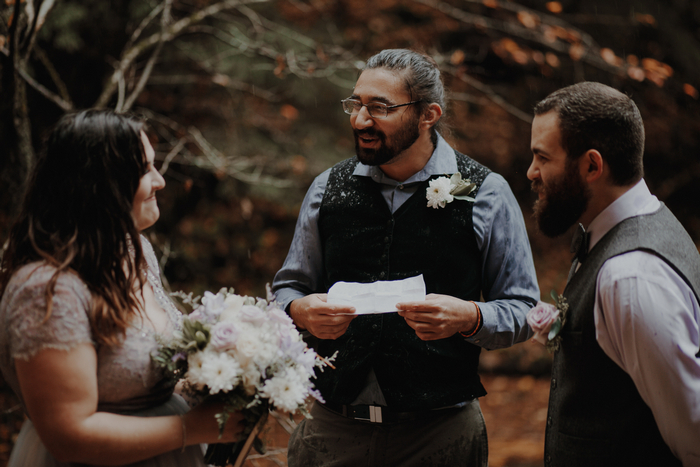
pixel 405 387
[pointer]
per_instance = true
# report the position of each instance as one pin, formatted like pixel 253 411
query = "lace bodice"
pixel 127 378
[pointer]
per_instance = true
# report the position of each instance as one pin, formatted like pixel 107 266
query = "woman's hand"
pixel 201 425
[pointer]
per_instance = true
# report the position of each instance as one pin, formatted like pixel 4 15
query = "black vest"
pixel 364 242
pixel 596 415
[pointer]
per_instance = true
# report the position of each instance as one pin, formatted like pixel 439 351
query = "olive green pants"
pixel 455 437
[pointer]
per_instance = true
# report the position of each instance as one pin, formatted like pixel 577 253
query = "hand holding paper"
pixel 439 316
pixel 377 297
pixel 320 318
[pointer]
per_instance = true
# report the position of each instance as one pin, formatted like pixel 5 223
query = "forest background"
pixel 243 100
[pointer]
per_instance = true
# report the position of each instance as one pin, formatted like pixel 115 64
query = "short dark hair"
pixel 595 116
pixel 421 75
pixel 77 215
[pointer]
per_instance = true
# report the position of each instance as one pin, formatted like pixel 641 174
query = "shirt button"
pixel 400 187
pixel 548 459
pixel 375 327
pixel 382 274
pixel 554 383
pixel 386 239
pixel 549 421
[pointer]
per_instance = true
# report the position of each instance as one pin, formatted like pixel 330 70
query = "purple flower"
pixel 179 356
pixel 224 336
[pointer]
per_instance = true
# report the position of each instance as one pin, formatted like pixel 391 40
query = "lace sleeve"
pixel 24 314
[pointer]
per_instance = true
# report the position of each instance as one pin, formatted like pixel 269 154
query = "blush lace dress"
pixel 128 381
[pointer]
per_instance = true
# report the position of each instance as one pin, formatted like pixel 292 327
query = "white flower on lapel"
pixel 444 190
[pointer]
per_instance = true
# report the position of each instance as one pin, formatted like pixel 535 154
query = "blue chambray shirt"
pixel 509 284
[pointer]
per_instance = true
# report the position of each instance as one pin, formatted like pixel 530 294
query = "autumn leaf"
pixel 576 51
pixel 554 7
pixel 552 59
pixel 289 112
pixel 690 90
pixel 298 164
pixel 645 19
pixel 609 56
pixel 457 57
pixel 221 79
pixel 636 73
pixel 279 69
pixel 528 20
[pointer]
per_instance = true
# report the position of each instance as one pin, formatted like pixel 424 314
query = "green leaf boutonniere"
pixel 444 190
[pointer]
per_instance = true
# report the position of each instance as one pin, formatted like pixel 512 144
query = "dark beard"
pixel 402 140
pixel 564 201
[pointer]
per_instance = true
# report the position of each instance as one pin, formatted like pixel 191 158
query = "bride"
pixel 82 305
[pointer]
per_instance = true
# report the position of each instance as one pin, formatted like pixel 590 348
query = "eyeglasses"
pixel 375 109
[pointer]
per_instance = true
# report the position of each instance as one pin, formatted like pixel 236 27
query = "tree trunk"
pixel 13 163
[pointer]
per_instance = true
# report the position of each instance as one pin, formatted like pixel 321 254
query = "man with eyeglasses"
pixel 405 388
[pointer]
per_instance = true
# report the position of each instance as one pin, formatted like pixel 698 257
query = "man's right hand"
pixel 322 319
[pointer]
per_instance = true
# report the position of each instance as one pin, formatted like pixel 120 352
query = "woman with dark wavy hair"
pixel 82 305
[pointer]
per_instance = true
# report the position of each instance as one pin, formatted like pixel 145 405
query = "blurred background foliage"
pixel 242 98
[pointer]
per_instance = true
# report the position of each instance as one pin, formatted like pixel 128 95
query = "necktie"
pixel 579 247
pixel 579 244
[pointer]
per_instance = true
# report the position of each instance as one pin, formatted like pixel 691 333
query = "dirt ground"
pixel 515 410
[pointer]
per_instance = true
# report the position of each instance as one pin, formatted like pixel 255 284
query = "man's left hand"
pixel 439 316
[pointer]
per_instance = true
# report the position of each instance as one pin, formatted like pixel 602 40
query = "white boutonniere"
pixel 444 190
pixel 546 321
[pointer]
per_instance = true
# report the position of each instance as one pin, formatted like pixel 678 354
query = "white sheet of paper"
pixel 377 297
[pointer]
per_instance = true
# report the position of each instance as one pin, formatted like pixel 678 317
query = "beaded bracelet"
pixel 478 322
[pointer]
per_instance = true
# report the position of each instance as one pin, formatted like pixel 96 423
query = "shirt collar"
pixel 442 162
pixel 636 201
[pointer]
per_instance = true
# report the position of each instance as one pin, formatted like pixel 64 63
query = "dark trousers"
pixel 455 437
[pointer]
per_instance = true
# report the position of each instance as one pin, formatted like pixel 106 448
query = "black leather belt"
pixel 379 414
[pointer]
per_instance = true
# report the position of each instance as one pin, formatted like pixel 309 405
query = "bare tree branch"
pixel 55 77
pixel 144 23
pixel 175 29
pixel 492 95
pixel 53 97
pixel 248 170
pixel 32 19
pixel 171 155
pixel 165 19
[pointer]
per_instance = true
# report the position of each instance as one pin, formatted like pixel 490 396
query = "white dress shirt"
pixel 647 321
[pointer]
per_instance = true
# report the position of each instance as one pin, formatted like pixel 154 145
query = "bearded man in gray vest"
pixel 626 378
pixel 405 388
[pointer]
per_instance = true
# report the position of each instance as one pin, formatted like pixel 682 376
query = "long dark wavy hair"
pixel 76 215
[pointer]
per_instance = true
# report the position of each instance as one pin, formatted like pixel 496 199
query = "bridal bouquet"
pixel 247 353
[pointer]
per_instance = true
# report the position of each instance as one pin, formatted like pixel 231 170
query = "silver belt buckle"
pixel 375 414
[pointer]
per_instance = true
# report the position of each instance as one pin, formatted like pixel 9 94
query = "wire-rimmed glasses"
pixel 375 109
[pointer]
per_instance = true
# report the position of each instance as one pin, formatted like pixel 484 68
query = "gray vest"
pixel 596 415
